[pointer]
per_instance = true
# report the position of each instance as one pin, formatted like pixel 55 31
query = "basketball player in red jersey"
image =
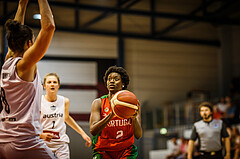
pixel 21 88
pixel 113 137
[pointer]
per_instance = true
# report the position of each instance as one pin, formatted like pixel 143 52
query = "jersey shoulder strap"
pixel 104 96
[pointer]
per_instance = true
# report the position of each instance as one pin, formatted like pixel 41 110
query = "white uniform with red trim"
pixel 53 121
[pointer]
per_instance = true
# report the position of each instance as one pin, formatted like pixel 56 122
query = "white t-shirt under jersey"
pixel 20 115
pixel 53 118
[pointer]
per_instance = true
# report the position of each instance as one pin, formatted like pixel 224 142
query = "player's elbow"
pixel 94 130
pixel 94 133
pixel 138 135
pixel 49 27
pixel 67 118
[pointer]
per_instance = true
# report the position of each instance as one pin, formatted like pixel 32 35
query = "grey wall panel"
pixel 77 147
pixel 82 45
pixel 70 72
pixel 80 100
pixel 162 71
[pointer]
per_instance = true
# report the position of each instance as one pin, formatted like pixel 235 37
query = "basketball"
pixel 124 104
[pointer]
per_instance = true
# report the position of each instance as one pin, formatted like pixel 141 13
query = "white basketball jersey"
pixel 53 118
pixel 20 104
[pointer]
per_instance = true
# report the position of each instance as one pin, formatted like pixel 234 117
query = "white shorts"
pixel 26 149
pixel 60 149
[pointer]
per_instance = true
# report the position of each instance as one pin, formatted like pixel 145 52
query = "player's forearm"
pixel 20 15
pixel 47 22
pixel 137 128
pixel 72 123
pixel 96 128
pixel 227 146
pixel 190 149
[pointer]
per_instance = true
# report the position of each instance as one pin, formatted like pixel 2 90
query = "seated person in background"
pixel 182 154
pixel 228 116
pixel 217 114
pixel 221 105
pixel 174 149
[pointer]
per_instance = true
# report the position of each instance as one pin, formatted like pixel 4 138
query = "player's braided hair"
pixel 121 71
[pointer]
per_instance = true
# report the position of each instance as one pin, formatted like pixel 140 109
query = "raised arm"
pixel 20 15
pixel 72 123
pixel 39 48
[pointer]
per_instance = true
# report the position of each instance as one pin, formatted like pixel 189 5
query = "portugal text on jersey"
pixel 123 122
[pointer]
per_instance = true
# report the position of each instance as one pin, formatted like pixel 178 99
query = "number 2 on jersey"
pixel 119 134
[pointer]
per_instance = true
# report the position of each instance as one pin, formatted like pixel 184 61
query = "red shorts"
pixel 128 153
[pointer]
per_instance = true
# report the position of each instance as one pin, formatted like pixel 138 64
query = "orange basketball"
pixel 124 104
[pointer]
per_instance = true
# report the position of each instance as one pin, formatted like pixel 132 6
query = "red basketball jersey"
pixel 117 135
